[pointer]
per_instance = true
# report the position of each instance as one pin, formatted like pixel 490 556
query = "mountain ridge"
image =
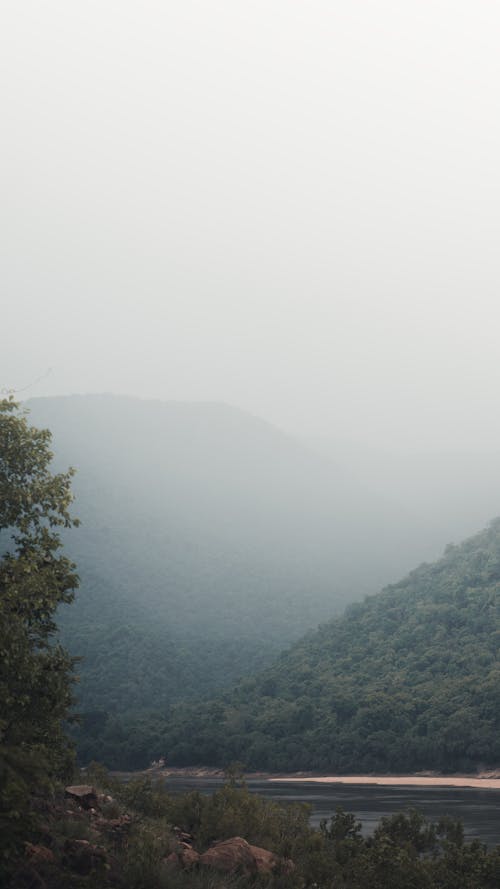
pixel 406 680
pixel 207 546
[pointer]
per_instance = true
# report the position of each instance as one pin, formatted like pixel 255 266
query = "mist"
pixel 289 208
pixel 249 441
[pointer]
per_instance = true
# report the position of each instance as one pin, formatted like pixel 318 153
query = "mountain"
pixel 409 679
pixel 210 540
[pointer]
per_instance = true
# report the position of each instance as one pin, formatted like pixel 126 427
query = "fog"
pixel 288 207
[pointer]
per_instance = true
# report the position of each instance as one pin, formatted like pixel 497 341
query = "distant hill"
pixel 409 679
pixel 209 541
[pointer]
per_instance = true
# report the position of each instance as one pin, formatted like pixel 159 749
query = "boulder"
pixel 182 835
pixel 39 854
pixel 265 861
pixel 172 860
pixel 84 794
pixel 188 857
pixel 114 826
pixel 230 855
pixel 185 856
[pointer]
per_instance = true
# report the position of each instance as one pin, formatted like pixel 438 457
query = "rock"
pixel 172 860
pixel 185 837
pixel 185 857
pixel 230 855
pixel 114 826
pixel 188 857
pixel 265 861
pixel 84 794
pixel 39 854
pixel 236 854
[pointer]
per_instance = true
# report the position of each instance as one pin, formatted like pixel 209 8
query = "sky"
pixel 289 206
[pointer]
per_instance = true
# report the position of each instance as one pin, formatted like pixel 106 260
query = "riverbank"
pixel 486 782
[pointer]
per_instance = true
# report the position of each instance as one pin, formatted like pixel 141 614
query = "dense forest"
pixel 209 541
pixel 408 679
pixel 198 540
pixel 408 676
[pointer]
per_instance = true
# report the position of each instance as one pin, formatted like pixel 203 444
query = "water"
pixel 479 810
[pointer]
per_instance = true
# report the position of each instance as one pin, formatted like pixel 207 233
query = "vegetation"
pixel 35 674
pixel 407 680
pixel 209 542
pixel 127 842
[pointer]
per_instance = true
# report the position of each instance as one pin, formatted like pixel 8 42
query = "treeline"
pixel 407 680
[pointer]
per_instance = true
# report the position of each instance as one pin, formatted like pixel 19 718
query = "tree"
pixel 35 578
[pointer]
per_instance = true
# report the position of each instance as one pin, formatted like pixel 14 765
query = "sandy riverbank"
pixel 482 780
pixel 484 783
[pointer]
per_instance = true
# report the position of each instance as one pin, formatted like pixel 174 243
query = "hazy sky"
pixel 290 206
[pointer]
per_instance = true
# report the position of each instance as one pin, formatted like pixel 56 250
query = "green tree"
pixel 35 578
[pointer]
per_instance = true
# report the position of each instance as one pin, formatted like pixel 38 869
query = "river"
pixel 479 810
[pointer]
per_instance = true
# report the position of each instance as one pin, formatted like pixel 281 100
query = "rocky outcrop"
pixel 265 861
pixel 230 855
pixel 39 854
pixel 236 854
pixel 84 794
pixel 113 827
pixel 185 857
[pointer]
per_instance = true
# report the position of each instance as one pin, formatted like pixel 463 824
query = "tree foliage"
pixel 210 542
pixel 35 578
pixel 404 681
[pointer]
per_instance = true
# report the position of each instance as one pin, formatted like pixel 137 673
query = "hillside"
pixel 407 680
pixel 209 541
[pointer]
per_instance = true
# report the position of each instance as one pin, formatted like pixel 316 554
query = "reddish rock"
pixel 172 860
pixel 230 855
pixel 185 856
pixel 265 861
pixel 188 857
pixel 39 854
pixel 114 826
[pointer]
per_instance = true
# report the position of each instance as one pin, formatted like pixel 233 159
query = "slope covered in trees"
pixel 81 835
pixel 35 673
pixel 209 541
pixel 407 680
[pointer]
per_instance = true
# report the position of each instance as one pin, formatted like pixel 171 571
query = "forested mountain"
pixel 209 540
pixel 409 679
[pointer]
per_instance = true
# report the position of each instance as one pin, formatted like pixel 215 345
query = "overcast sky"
pixel 289 206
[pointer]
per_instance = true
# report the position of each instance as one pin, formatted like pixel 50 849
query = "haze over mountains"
pixel 210 540
pixel 452 491
pixel 210 531
pixel 407 680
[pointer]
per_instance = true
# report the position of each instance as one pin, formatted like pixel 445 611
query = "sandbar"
pixel 485 783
